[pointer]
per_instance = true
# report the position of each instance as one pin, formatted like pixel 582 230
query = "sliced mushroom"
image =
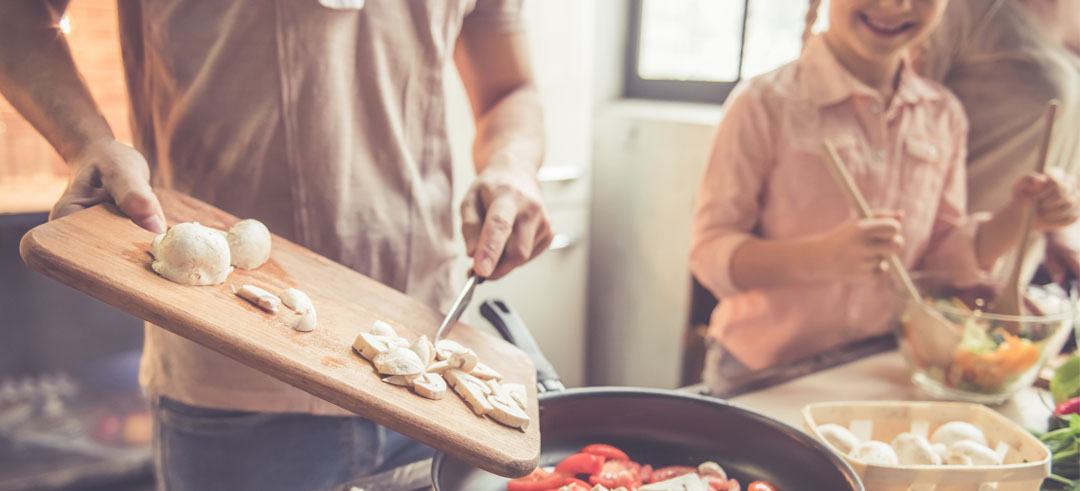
pixel 261 298
pixel 445 347
pixel 508 413
pixel 439 367
pixel 471 393
pixel 517 393
pixel 685 482
pixel 463 360
pixel 306 322
pixel 482 371
pixel 458 377
pixel 296 300
pixel 424 349
pixel 430 385
pixel 497 390
pixel 370 345
pixel 398 361
pixel 381 328
pixel 400 380
pixel 711 468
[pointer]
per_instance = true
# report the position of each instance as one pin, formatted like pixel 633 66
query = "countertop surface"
pixel 879 377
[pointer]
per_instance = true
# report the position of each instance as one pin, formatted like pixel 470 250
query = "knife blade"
pixel 462 301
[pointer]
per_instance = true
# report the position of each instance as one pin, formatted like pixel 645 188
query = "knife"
pixel 459 306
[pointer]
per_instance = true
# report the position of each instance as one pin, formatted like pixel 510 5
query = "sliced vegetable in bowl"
pixel 984 357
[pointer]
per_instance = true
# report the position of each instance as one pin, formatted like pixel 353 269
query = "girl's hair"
pixel 811 18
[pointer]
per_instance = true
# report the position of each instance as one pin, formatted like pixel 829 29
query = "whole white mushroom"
pixel 839 437
pixel 875 452
pixel 249 243
pixel 940 449
pixel 954 431
pixel 912 449
pixel 978 453
pixel 191 254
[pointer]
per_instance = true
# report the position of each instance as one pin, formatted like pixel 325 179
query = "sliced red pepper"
pixel 609 452
pixel 670 472
pixel 580 463
pixel 538 480
pixel 645 473
pixel 616 473
pixel 760 486
pixel 718 483
pixel 1068 406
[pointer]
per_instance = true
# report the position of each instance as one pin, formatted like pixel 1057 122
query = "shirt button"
pixel 879 154
pixel 875 109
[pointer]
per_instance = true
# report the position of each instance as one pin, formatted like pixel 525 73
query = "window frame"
pixel 698 91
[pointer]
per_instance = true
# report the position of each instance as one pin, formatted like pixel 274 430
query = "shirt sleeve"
pixel 951 248
pixel 498 15
pixel 728 201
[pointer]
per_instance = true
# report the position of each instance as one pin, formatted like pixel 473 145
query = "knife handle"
pixel 513 329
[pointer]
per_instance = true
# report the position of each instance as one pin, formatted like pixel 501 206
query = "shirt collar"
pixel 827 82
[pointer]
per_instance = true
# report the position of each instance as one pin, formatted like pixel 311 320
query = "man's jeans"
pixel 203 449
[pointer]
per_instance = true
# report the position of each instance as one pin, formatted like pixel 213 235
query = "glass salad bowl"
pixel 956 351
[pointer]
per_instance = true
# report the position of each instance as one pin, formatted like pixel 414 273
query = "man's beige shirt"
pixel 995 57
pixel 325 122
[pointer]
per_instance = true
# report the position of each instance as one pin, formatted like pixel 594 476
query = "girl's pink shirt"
pixel 766 178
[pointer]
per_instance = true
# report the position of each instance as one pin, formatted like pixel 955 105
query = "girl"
pixel 774 236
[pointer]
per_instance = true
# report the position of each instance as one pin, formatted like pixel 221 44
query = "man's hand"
pixel 112 171
pixel 503 220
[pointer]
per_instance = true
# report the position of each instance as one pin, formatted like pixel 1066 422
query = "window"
pixel 697 50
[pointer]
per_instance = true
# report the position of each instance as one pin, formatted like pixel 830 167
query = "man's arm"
pixel 39 78
pixel 503 216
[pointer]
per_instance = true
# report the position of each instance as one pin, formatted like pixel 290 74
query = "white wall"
pixel 648 160
pixel 648 157
pixel 549 292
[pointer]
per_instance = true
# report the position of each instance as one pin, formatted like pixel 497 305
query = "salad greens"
pixel 1063 439
pixel 1066 381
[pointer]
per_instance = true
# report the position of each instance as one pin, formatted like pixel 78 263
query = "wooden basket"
pixel 1026 463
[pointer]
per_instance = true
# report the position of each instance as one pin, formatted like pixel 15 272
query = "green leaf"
pixel 1066 381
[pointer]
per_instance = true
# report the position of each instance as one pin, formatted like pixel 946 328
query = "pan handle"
pixel 513 329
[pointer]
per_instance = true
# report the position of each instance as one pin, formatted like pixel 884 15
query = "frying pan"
pixel 657 427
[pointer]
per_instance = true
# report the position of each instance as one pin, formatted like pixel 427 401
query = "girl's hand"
pixel 1053 196
pixel 858 248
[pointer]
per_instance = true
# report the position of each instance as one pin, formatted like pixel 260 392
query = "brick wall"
pixel 26 158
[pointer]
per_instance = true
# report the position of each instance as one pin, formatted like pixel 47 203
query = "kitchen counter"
pixel 879 377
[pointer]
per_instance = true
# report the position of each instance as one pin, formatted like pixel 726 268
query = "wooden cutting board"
pixel 103 254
